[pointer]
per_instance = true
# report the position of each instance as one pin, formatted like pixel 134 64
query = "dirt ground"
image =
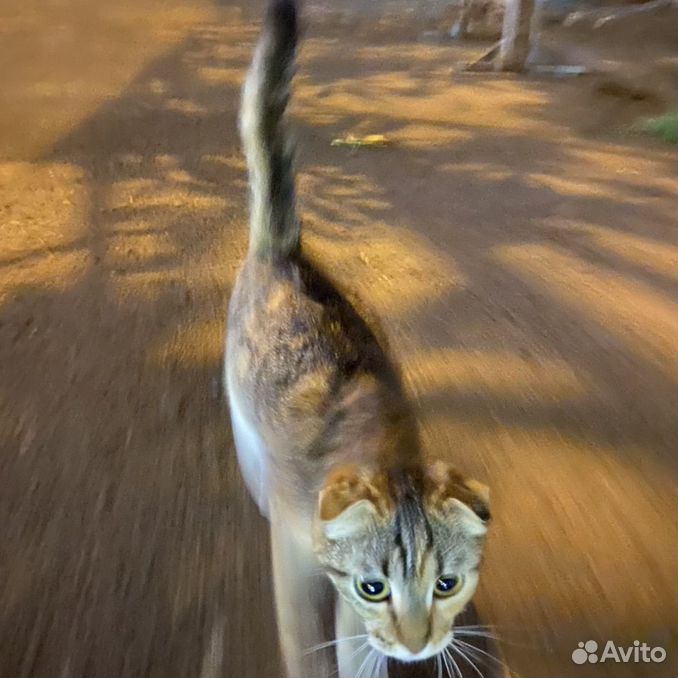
pixel 519 248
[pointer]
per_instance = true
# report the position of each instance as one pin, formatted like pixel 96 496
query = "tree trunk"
pixel 516 35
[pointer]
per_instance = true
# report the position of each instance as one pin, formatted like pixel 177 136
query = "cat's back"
pixel 295 341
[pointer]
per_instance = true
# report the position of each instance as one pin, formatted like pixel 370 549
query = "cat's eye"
pixel 448 585
pixel 374 590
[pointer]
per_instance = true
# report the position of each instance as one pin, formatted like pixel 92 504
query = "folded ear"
pixel 482 498
pixel 351 501
pixel 448 493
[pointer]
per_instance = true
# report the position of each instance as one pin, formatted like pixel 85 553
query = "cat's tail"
pixel 274 227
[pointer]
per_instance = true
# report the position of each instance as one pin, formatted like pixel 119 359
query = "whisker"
pixel 500 662
pixel 473 648
pixel 353 654
pixel 456 666
pixel 493 634
pixel 336 641
pixel 446 668
pixel 498 639
pixel 473 632
pixel 479 628
pixel 368 666
pixel 446 664
pixel 379 665
pixel 375 664
pixel 360 668
pixel 359 672
pixel 371 656
pixel 459 651
pixel 359 649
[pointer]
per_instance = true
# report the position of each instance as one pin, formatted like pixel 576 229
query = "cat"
pixel 361 523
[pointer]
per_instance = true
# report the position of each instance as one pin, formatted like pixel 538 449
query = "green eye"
pixel 448 585
pixel 374 590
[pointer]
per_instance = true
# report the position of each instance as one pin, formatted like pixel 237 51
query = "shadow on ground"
pixel 526 276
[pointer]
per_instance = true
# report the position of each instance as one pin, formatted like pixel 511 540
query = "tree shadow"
pixel 132 548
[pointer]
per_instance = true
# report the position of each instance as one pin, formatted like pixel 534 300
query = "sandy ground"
pixel 523 263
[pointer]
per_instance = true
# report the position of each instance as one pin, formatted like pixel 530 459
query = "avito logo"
pixel 638 653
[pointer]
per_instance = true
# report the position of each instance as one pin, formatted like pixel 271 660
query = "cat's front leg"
pixel 304 600
pixel 355 657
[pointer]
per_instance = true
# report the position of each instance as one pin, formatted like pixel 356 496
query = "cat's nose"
pixel 415 644
pixel 415 625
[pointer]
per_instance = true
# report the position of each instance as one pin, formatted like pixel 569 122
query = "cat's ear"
pixel 351 502
pixel 451 495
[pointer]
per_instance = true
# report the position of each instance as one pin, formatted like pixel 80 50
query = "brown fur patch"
pixel 310 394
pixel 280 297
pixel 349 484
pixel 444 482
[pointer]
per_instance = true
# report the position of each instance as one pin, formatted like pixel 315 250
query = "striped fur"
pixel 274 228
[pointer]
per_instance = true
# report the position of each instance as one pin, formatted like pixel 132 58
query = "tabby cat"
pixel 361 524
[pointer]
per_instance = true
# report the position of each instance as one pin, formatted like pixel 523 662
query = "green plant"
pixel 664 126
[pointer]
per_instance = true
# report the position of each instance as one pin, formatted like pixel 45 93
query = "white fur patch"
pixel 252 455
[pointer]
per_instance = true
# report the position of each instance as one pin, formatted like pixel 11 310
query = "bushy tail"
pixel 274 228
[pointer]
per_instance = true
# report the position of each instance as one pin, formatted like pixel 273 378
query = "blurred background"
pixel 516 237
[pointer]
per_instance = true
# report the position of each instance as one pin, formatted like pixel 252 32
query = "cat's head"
pixel 404 551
